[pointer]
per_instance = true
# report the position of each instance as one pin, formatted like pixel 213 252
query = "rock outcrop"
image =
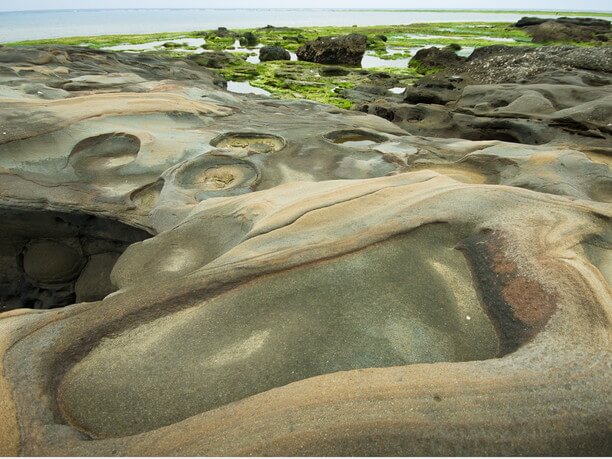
pixel 274 53
pixel 249 39
pixel 433 59
pixel 227 275
pixel 345 49
pixel 523 95
pixel 544 30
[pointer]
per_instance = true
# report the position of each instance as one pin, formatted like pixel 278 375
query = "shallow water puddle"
pixel 372 61
pixel 157 45
pixel 244 87
pixel 357 142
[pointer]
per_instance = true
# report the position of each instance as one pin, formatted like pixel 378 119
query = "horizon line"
pixel 496 10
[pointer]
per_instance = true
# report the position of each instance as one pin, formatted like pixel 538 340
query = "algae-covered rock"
pixel 345 49
pixel 274 53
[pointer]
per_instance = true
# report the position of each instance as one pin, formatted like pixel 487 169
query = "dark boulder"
pixel 249 39
pixel 274 53
pixel 545 30
pixel 432 59
pixel 223 32
pixel 582 22
pixel 528 21
pixel 346 49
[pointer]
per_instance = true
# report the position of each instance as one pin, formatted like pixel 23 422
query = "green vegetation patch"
pixel 291 80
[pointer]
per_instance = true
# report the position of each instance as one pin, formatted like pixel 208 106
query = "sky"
pixel 584 5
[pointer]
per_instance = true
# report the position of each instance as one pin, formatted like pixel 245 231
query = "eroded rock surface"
pixel 533 96
pixel 227 275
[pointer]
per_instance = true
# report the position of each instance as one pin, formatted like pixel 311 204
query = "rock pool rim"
pixel 187 173
pixel 248 135
pixel 350 135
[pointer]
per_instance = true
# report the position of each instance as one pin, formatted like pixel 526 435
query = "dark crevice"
pixel 53 259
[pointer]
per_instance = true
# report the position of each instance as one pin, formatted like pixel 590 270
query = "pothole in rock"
pixel 105 152
pixel 145 198
pixel 406 300
pixel 259 143
pixel 53 259
pixel 355 138
pixel 212 174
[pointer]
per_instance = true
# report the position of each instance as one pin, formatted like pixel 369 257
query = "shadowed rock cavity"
pixel 406 300
pixel 356 138
pixel 53 259
pixel 104 153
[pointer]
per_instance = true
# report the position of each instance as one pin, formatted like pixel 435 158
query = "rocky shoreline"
pixel 190 271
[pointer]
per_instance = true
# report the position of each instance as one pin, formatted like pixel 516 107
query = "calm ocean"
pixel 52 24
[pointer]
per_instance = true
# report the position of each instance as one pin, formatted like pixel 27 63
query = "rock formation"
pixel 428 59
pixel 346 49
pixel 544 30
pixel 274 53
pixel 231 275
pixel 524 95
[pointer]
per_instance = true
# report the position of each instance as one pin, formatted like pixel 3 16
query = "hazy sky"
pixel 8 5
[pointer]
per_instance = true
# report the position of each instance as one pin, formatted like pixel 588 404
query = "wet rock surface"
pixel 231 275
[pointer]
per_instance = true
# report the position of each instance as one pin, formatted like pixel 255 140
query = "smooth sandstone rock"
pixel 268 277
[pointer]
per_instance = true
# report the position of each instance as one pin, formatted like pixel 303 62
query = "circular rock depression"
pixel 406 300
pixel 251 141
pixel 104 152
pixel 355 138
pixel 216 175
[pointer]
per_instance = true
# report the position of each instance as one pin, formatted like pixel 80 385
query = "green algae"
pixel 291 80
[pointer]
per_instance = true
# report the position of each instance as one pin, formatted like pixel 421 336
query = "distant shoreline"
pixel 348 10
pixel 36 25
